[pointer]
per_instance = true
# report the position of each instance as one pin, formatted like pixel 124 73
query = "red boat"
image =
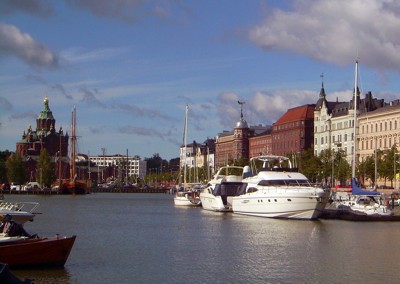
pixel 36 252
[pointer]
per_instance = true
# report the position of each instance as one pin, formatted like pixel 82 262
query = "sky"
pixel 131 66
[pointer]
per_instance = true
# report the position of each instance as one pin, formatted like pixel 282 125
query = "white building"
pixel 379 129
pixel 135 166
pixel 334 122
pixel 198 156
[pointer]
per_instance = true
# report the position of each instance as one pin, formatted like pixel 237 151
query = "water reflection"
pixel 46 276
pixel 144 238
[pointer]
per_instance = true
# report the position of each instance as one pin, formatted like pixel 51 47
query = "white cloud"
pixel 335 31
pixel 21 45
pixel 80 55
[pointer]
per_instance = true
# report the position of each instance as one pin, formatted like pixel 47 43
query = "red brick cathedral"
pixel 44 137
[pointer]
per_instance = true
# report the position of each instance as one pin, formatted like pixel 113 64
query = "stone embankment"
pixel 94 190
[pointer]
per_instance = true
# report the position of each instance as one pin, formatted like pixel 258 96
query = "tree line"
pixel 330 167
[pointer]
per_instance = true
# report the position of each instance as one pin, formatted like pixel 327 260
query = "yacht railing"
pixel 19 206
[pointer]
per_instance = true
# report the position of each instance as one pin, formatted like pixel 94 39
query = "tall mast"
pixel 355 123
pixel 73 144
pixel 185 144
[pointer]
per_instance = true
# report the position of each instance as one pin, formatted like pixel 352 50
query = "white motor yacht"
pixel 21 212
pixel 277 190
pixel 218 194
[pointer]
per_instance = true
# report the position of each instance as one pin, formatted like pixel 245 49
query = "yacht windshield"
pixel 229 189
pixel 284 182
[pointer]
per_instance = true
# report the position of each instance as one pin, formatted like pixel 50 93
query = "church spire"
pixel 322 94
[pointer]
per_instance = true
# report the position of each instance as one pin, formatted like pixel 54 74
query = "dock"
pixel 336 214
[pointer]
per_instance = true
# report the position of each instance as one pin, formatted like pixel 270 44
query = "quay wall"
pixel 93 190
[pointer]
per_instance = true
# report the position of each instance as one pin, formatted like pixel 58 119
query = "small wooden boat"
pixel 19 252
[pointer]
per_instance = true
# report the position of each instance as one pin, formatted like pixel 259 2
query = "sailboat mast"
pixel 73 144
pixel 185 144
pixel 355 123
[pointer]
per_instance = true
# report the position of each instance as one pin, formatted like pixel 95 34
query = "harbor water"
pixel 144 238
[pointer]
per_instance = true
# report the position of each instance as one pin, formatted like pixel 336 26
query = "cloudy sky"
pixel 131 66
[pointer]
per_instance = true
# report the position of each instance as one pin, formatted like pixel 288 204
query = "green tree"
pixel 15 169
pixel 45 169
pixel 310 165
pixel 342 168
pixel 327 163
pixel 3 169
pixel 366 169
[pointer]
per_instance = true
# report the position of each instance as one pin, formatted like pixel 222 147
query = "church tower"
pixel 241 137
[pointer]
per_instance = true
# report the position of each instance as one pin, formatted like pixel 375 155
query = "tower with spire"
pixel 45 136
pixel 241 137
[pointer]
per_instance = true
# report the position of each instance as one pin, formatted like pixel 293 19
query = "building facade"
pixel 44 136
pixel 196 156
pixel 260 144
pixel 119 167
pixel 334 122
pixel 293 132
pixel 379 130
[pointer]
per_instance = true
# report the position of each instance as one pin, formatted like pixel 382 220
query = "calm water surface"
pixel 144 238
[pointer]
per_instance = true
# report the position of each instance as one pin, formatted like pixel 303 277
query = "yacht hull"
pixel 186 199
pixel 215 203
pixel 279 206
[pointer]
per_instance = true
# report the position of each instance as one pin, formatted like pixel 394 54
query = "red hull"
pixel 73 188
pixel 34 253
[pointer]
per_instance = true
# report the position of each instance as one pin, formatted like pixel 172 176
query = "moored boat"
pixel 21 212
pixel 21 252
pixel 362 201
pixel 73 186
pixel 187 198
pixel 278 190
pixel 218 194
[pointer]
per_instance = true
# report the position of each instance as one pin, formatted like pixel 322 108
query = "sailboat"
pixel 361 201
pixel 187 195
pixel 73 185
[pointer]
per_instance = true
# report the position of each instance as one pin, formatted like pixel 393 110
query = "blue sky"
pixel 131 66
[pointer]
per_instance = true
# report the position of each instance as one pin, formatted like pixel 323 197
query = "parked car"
pixel 16 186
pixel 33 185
